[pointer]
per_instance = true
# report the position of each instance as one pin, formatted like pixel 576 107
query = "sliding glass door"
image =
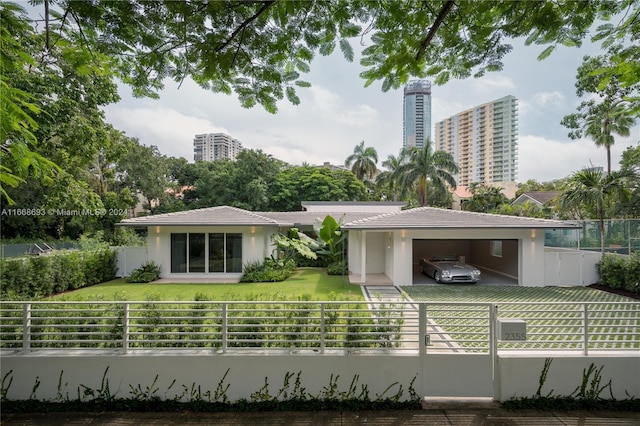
pixel 200 252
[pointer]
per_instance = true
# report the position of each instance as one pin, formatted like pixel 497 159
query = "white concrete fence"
pixel 450 349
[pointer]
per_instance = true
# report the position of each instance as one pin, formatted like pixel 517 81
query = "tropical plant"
pixel 329 233
pixel 485 198
pixel 147 272
pixel 363 162
pixel 296 243
pixel 425 166
pixel 390 180
pixel 590 190
pixel 605 121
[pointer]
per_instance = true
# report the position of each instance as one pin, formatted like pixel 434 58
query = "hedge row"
pixel 45 275
pixel 621 272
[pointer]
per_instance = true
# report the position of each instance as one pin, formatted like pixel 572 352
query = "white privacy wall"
pixel 451 375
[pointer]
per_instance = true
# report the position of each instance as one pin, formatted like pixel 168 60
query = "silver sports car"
pixel 447 268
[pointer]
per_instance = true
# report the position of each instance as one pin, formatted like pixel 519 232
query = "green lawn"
pixel 305 283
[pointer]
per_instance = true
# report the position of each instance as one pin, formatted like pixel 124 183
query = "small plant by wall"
pixel 590 394
pixel 146 273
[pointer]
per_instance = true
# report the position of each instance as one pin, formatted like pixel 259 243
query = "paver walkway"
pixel 459 416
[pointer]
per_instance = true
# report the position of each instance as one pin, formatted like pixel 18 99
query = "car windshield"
pixel 445 258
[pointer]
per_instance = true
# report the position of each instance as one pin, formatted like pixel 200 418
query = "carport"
pixel 497 259
pixel 507 249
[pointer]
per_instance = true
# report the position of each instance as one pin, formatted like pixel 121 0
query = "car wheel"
pixel 437 276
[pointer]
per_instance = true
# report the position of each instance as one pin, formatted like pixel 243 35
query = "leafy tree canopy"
pixel 260 49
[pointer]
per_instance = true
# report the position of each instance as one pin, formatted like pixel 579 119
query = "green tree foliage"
pixel 590 193
pixel 427 168
pixel 304 183
pixel 260 49
pixel 485 198
pixel 18 160
pixel 144 170
pixel 630 168
pixel 245 183
pixel 363 162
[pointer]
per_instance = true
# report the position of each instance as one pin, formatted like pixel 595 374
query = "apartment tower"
pixel 215 146
pixel 483 141
pixel 416 119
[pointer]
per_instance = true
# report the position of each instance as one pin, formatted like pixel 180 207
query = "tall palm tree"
pixel 363 161
pixel 424 165
pixel 592 190
pixel 390 178
pixel 606 121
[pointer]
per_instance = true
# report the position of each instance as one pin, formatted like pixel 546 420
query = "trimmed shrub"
pixel 49 274
pixel 621 272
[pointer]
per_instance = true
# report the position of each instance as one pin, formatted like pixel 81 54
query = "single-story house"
pixel 383 239
pixel 538 198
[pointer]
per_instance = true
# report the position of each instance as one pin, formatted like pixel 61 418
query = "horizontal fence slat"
pixel 456 327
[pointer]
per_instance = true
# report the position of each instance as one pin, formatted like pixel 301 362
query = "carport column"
pixel 363 257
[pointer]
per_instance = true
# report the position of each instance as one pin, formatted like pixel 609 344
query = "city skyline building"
pixel 416 117
pixel 483 141
pixel 215 146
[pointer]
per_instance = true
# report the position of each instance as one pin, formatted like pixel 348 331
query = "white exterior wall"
pixel 520 374
pixel 570 267
pixel 256 245
pixel 129 258
pixel 454 375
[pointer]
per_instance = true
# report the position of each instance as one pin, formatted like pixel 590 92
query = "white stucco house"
pixel 383 240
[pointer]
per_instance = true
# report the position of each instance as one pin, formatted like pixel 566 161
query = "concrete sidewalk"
pixel 445 417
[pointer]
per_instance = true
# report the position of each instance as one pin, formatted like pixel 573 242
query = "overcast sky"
pixel 337 113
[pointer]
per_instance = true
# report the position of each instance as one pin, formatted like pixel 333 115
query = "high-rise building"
pixel 416 119
pixel 215 146
pixel 483 141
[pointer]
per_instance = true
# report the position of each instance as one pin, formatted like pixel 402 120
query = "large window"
pixel 200 252
pixel 197 254
pixel 496 248
pixel 178 253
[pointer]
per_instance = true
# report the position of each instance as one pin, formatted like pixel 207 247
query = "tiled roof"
pixel 221 215
pixel 302 218
pixel 434 218
pixel 418 218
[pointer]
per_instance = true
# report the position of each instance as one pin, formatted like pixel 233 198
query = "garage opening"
pixel 496 259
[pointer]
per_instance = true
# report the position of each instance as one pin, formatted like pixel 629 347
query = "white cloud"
pixel 549 99
pixel 547 159
pixel 171 131
pixel 493 83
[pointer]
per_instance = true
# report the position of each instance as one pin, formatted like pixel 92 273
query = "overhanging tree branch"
pixel 242 26
pixel 434 28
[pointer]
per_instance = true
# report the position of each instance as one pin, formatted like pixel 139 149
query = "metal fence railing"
pixel 317 327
